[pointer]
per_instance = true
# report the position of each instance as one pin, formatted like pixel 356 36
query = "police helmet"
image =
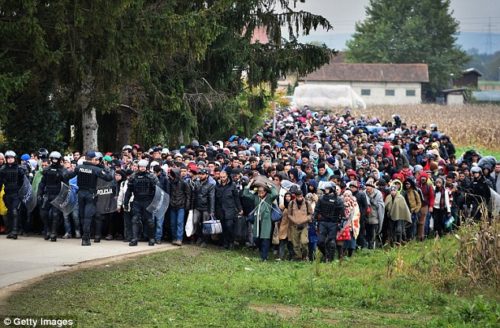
pixel 55 155
pixel 328 185
pixel 475 169
pixel 43 153
pixel 143 163
pixel 10 153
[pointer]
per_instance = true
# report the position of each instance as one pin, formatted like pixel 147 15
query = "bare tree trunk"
pixel 89 118
pixel 90 128
pixel 124 121
pixel 180 139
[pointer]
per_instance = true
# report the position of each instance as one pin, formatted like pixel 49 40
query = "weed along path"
pixel 211 287
pixel 32 257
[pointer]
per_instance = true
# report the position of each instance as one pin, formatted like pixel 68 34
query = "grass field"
pixel 193 287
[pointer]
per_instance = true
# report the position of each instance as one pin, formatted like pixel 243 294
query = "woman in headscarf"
pixel 283 230
pixel 352 215
pixel 397 212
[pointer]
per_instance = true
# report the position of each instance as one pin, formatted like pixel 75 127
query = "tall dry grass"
pixel 468 125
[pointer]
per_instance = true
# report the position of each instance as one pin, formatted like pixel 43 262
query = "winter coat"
pixel 438 200
pixel 121 197
pixel 204 196
pixel 413 201
pixel 481 188
pixel 397 209
pixel 262 211
pixel 412 197
pixel 227 201
pixel 427 191
pixel 180 192
pixel 293 215
pixel 163 182
pixel 496 181
pixel 376 215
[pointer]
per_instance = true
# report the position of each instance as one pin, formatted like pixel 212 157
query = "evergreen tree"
pixel 407 31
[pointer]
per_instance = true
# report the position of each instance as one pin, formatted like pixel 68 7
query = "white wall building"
pixel 377 84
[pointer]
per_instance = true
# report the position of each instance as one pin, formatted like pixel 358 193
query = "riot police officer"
pixel 328 212
pixel 481 192
pixel 143 185
pixel 12 178
pixel 49 188
pixel 87 175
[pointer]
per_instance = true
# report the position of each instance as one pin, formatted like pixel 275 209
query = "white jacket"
pixel 121 196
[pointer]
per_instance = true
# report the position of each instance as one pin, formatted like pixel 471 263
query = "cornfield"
pixel 468 125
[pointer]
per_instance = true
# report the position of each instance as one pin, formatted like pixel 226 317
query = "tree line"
pixel 145 70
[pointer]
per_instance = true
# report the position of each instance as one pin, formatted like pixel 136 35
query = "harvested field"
pixel 468 125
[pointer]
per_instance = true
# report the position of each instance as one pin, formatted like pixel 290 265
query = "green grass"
pixel 484 152
pixel 193 287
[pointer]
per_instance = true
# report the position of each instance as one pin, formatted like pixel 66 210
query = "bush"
pixel 478 255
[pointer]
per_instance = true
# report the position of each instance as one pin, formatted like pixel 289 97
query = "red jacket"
pixel 427 190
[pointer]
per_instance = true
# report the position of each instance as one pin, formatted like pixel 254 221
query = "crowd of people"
pixel 308 180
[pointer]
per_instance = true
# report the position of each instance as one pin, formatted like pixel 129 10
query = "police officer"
pixel 143 185
pixel 49 188
pixel 87 175
pixel 480 190
pixel 328 212
pixel 12 178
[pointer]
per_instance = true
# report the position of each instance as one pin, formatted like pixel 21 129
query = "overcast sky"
pixel 473 15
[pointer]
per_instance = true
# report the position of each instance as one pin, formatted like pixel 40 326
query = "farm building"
pixel 377 84
pixel 454 96
pixel 468 79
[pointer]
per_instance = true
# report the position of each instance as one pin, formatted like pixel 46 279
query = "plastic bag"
pixel 212 227
pixel 431 223
pixel 189 224
pixel 3 208
pixel 276 231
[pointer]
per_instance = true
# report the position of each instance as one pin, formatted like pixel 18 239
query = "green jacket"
pixel 262 226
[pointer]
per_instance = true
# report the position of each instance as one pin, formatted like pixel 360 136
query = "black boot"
pixel 98 229
pixel 151 233
pixel 135 234
pixel 13 232
pixel 86 242
pixel 54 226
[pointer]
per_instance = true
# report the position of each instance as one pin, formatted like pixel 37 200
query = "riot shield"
pixel 106 197
pixel 160 202
pixel 65 200
pixel 27 196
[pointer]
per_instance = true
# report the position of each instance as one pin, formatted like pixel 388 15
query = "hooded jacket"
pixel 427 190
pixel 227 201
pixel 412 197
pixel 180 192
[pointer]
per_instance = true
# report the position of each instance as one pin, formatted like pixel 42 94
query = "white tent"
pixel 326 97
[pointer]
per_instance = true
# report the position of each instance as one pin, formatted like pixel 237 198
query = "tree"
pixel 170 70
pixel 406 31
